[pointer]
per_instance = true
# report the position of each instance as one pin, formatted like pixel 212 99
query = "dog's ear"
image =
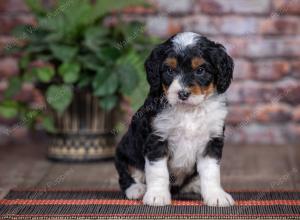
pixel 223 64
pixel 152 65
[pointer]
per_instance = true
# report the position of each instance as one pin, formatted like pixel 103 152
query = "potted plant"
pixel 83 70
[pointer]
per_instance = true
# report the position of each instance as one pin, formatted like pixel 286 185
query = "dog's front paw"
pixel 217 198
pixel 157 197
pixel 135 191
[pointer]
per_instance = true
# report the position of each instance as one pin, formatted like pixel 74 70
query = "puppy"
pixel 175 140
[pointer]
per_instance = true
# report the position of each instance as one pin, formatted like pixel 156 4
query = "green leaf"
pixel 94 37
pixel 89 61
pixel 140 92
pixel 9 109
pixel 84 81
pixel 35 6
pixel 59 97
pixel 63 53
pixel 35 48
pixel 78 13
pixel 69 72
pixel 48 124
pixel 129 79
pixel 29 76
pixel 108 54
pixel 54 37
pixel 24 61
pixel 105 83
pixel 128 70
pixel 108 102
pixel 44 74
pixel 14 86
pixel 29 116
pixel 53 24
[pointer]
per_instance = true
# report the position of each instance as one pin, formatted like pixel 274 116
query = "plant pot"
pixel 84 131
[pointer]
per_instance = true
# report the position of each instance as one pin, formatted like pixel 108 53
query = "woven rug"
pixel 84 204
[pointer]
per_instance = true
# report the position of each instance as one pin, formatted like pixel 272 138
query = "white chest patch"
pixel 187 130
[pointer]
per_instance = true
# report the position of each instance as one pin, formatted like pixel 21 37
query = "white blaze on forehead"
pixel 184 39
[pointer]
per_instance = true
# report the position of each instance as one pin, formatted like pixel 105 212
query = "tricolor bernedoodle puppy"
pixel 175 140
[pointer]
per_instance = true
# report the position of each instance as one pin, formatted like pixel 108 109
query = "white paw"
pixel 135 191
pixel 217 198
pixel 157 197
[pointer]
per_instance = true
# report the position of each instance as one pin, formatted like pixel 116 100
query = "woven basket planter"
pixel 84 131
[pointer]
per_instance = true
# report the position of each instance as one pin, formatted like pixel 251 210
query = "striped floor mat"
pixel 85 204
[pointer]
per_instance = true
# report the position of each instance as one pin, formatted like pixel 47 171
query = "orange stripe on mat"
pixel 138 202
pixel 153 215
pixel 117 190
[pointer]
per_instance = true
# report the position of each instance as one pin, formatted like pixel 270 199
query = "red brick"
pixel 26 94
pixel 231 25
pixel 6 122
pixel 280 25
pixel 8 23
pixel 235 25
pixel 5 139
pixel 238 91
pixel 3 86
pixel 5 41
pixel 241 25
pixel 274 112
pixel 163 26
pixel 255 134
pixel 273 47
pixel 296 114
pixel 242 69
pixel 283 7
pixel 201 24
pixel 13 6
pixel 8 67
pixel 174 27
pixel 289 91
pixel 176 7
pixel 234 46
pixel 271 70
pixel 292 133
pixel 267 47
pixel 295 69
pixel 234 6
pixel 239 114
pixel 138 10
pixel 251 92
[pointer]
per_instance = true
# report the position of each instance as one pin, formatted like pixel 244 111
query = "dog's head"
pixel 189 68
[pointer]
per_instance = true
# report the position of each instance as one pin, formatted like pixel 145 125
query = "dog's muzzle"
pixel 183 95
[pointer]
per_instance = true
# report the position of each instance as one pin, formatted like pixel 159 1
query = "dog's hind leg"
pixel 137 189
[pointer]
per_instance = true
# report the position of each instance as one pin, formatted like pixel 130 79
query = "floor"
pixel 23 164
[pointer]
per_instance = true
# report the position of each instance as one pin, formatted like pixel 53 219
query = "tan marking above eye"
pixel 196 62
pixel 171 62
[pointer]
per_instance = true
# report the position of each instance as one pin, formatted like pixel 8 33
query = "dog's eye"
pixel 199 71
pixel 170 71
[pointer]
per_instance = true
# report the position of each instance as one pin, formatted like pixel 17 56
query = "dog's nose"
pixel 183 95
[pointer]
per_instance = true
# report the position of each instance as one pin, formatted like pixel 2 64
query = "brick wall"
pixel 261 35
